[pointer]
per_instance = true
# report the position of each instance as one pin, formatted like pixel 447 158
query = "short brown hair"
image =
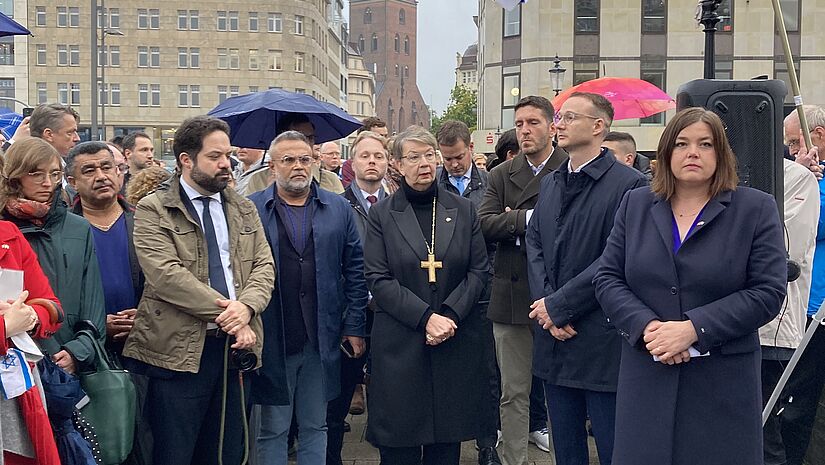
pixel 22 158
pixel 371 122
pixel 539 102
pixel 725 177
pixel 601 104
pixel 452 131
pixel 367 135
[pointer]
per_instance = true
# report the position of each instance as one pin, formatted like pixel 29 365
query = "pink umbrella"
pixel 631 97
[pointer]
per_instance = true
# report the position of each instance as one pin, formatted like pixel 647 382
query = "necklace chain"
pixel 431 245
pixel 109 226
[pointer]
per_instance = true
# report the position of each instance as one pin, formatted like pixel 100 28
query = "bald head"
pixel 330 156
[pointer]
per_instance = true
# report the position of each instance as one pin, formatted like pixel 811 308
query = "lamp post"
pixel 557 75
pixel 709 19
pixel 103 65
pixel 94 91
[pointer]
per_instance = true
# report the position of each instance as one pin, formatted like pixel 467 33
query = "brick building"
pixel 384 31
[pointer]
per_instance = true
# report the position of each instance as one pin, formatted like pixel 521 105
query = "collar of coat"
pixel 169 193
pixel 596 168
pixel 520 164
pixel 663 215
pixel 399 201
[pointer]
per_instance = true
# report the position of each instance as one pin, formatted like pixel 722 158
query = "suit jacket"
pixel 728 278
pixel 511 184
pixel 422 394
pixel 353 195
pixel 341 292
pixel 475 189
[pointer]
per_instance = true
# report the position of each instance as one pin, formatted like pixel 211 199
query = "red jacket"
pixel 17 254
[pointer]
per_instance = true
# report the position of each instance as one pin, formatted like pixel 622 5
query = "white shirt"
pixel 570 165
pixel 221 231
pixel 365 194
pixel 537 168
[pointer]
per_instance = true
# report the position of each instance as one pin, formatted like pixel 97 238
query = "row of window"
pixel 402 16
pixel 362 46
pixel 149 18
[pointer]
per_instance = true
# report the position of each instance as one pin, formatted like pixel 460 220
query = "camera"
pixel 244 360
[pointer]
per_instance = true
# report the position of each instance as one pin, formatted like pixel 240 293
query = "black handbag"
pixel 111 407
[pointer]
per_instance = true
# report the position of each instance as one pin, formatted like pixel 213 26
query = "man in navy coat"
pixel 577 352
pixel 319 300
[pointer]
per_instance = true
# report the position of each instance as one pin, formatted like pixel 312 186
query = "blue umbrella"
pixel 10 27
pixel 9 121
pixel 252 118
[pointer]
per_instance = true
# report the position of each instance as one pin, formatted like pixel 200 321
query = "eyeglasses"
pixel 289 160
pixel 415 158
pixel 106 168
pixel 377 155
pixel 570 116
pixel 40 176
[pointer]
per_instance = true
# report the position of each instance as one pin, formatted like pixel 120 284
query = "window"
pixel 143 95
pixel 397 44
pixel 183 57
pixel 512 22
pixel 653 71
pixel 7 8
pixel 42 93
pixel 40 16
pixel 406 71
pixel 275 22
pixel 724 68
pixel 233 21
pixel 102 94
pixel 143 57
pixel 234 91
pixel 253 60
pixel 221 20
pixel 74 16
pixel 587 16
pixel 114 18
pixel 143 18
pixel 299 62
pixel 253 89
pixel 790 14
pixel 406 45
pixel 396 70
pixel 195 96
pixel 183 96
pixel 102 56
pixel 62 16
pixel 368 16
pixel 275 60
pixel 63 93
pixel 154 58
pixel 223 58
pixel 154 18
pixel 510 90
pixel 114 56
pixel 725 17
pixel 62 55
pixel 253 21
pixel 374 44
pixel 402 16
pixel 234 58
pixel 361 46
pixel 585 69
pixel 7 50
pixel 74 55
pixel 41 54
pixel 298 90
pixel 194 20
pixel 155 95
pixel 194 57
pixel 222 91
pixel 653 16
pixel 183 20
pixel 299 25
pixel 114 90
pixel 75 86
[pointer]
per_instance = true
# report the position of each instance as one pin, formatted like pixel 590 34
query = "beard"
pixel 538 146
pixel 210 183
pixel 294 186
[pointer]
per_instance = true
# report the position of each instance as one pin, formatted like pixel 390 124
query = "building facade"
pixel 360 90
pixel 466 68
pixel 160 63
pixel 384 32
pixel 655 40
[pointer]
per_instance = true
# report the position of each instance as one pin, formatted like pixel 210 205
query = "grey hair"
pixel 412 134
pixel 49 116
pixel 286 136
pixel 84 148
pixel 815 115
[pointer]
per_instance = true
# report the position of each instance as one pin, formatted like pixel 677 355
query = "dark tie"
pixel 216 277
pixel 372 199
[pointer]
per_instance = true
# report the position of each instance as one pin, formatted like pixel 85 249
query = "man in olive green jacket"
pixel 209 275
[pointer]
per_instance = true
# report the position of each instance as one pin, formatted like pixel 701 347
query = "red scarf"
pixel 30 210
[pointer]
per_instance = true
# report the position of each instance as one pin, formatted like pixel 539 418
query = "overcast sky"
pixel 445 27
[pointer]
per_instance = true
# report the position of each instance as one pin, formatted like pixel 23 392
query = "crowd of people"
pixel 565 287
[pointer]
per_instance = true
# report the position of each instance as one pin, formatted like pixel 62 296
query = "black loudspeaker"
pixel 752 113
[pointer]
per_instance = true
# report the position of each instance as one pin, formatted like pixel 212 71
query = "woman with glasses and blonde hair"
pixel 693 267
pixel 426 266
pixel 30 197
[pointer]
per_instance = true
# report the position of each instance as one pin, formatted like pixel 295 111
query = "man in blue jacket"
pixel 319 301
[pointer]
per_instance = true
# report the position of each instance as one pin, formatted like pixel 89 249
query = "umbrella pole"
pixel 797 94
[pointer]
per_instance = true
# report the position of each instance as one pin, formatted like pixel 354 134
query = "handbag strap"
pixel 102 360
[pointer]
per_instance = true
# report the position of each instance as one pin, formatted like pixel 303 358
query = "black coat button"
pixel 673 290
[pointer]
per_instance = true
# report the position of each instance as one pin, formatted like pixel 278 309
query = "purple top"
pixel 677 240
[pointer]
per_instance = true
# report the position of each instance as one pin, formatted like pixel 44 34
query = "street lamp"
pixel 103 65
pixel 557 75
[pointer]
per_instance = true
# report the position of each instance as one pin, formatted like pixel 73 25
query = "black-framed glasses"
pixel 40 176
pixel 289 160
pixel 569 116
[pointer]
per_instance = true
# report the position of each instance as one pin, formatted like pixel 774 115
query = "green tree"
pixel 463 106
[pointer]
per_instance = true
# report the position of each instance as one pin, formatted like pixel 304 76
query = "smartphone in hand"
pixel 346 347
pixel 27 111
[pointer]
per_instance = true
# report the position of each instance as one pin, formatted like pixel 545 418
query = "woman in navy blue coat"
pixel 694 265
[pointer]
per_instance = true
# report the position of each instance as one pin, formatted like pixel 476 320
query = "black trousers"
pixel 352 373
pixel 773 445
pixel 432 454
pixel 805 385
pixel 184 411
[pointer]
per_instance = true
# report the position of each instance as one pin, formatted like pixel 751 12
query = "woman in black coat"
pixel 426 380
pixel 694 265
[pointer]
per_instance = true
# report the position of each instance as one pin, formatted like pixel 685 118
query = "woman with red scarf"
pixel 25 433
